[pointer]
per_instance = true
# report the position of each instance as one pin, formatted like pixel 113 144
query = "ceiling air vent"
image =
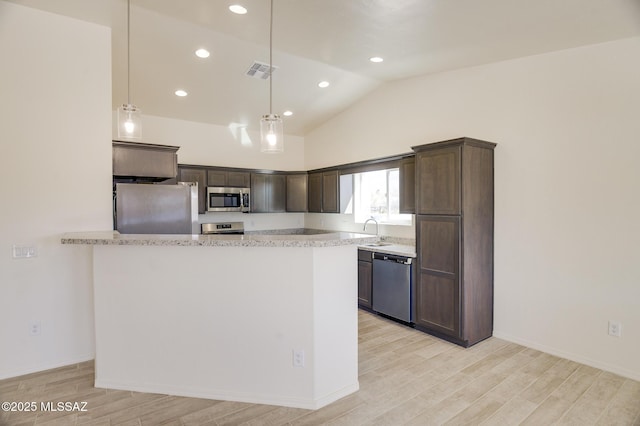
pixel 260 70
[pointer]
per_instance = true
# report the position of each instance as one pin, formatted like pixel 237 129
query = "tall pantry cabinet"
pixel 454 236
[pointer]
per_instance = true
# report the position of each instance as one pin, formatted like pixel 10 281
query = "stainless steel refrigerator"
pixel 156 208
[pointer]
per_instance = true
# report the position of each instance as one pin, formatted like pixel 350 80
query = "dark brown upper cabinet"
pixel 144 161
pixel 315 192
pixel 268 193
pixel 297 192
pixel 330 192
pixel 324 192
pixel 408 185
pixel 229 178
pixel 438 183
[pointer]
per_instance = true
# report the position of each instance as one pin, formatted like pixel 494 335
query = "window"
pixel 377 194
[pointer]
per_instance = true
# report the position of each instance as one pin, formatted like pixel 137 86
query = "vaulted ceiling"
pixel 316 40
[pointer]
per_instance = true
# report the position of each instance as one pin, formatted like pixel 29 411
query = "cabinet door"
pixel 259 193
pixel 144 160
pixel 238 179
pixel 330 193
pixel 297 193
pixel 277 193
pixel 408 186
pixel 364 280
pixel 438 172
pixel 438 276
pixel 268 193
pixel 216 178
pixel 315 192
pixel 188 174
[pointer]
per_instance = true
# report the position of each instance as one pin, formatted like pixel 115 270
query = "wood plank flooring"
pixel 406 378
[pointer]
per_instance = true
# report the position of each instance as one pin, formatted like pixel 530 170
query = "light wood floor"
pixel 406 378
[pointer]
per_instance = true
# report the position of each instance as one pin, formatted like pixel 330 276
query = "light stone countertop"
pixel 329 239
pixel 399 249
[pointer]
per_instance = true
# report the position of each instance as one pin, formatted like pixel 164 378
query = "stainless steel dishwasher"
pixel 392 288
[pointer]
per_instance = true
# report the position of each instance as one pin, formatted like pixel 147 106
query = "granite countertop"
pixel 391 248
pixel 390 245
pixel 328 239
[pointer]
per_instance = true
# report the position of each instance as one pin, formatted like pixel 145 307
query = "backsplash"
pixel 397 234
pixel 344 222
pixel 289 231
pixel 399 240
pixel 257 221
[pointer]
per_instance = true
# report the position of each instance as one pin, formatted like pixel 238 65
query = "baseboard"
pixel 222 395
pixel 21 371
pixel 634 375
pixel 334 396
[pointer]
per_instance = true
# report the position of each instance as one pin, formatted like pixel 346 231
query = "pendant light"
pixel 271 131
pixel 129 116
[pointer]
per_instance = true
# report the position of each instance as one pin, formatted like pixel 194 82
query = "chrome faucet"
pixel 364 228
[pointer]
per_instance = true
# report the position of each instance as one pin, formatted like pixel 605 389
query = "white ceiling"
pixel 316 40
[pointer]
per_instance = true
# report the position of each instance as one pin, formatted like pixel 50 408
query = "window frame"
pixel 388 218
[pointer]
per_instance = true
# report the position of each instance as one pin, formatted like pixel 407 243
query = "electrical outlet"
pixel 615 328
pixel 298 357
pixel 23 252
pixel 34 328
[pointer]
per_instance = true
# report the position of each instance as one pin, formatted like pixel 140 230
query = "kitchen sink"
pixel 378 244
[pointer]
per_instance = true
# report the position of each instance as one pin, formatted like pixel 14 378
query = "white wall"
pixel 55 169
pixel 212 145
pixel 567 206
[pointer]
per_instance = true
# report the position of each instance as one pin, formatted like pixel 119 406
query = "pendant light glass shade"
pixel 271 134
pixel 129 116
pixel 271 131
pixel 129 122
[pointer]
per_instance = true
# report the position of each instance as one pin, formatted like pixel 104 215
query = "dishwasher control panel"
pixel 393 258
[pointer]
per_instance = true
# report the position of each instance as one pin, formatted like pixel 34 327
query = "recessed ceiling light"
pixel 202 53
pixel 181 93
pixel 323 84
pixel 376 59
pixel 236 8
pixel 287 113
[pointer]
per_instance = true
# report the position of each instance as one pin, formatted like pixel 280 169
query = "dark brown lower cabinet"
pixel 365 278
pixel 454 281
pixel 438 277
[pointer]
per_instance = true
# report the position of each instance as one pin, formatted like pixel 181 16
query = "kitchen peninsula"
pixel 266 319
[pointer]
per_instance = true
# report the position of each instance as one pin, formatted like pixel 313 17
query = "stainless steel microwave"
pixel 221 199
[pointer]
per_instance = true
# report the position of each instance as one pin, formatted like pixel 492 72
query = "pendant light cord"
pixel 271 60
pixel 128 51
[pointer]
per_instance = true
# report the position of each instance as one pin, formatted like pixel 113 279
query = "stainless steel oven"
pixel 223 228
pixel 222 199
